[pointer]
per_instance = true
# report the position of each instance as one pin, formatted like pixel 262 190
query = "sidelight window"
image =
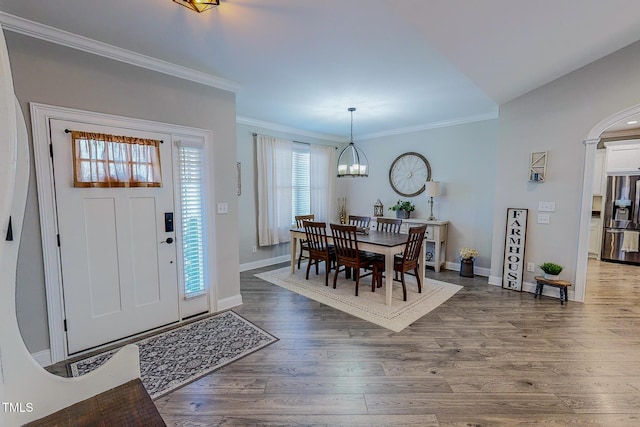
pixel 191 173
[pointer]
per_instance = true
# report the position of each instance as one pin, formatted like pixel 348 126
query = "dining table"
pixel 379 242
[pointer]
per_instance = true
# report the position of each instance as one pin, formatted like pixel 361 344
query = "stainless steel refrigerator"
pixel 620 239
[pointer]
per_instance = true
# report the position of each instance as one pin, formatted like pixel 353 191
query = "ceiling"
pixel 405 64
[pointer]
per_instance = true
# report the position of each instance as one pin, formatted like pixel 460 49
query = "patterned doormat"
pixel 179 356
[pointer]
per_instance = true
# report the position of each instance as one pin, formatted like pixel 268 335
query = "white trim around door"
pixel 40 116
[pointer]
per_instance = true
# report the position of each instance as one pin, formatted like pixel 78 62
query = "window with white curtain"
pixel 191 174
pixel 293 179
pixel 300 181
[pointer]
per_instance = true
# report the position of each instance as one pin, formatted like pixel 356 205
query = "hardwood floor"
pixel 486 357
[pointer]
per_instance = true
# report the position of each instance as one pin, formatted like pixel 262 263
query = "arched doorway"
pixel 591 143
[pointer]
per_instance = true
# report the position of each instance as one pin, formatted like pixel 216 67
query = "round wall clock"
pixel 408 174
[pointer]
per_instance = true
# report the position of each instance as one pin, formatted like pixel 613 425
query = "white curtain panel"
pixel 274 190
pixel 322 169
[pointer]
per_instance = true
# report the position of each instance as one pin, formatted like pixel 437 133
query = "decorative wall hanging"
pixel 514 246
pixel 538 166
pixel 409 173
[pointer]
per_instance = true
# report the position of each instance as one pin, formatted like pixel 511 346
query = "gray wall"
pixel 557 117
pixel 462 158
pixel 52 74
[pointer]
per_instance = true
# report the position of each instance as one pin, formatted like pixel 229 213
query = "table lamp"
pixel 433 190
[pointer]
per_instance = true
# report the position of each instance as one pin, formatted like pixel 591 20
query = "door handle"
pixel 168 241
pixel 168 222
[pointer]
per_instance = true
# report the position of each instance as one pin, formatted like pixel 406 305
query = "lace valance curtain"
pixel 103 160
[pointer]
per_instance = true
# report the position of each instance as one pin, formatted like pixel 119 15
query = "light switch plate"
pixel 544 218
pixel 546 206
pixel 223 208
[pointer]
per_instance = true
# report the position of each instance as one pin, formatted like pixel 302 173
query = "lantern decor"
pixel 378 208
pixel 342 210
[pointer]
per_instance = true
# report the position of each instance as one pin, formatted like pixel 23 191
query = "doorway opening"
pixel 589 271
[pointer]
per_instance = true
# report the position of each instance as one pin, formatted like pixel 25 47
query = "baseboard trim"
pixel 43 357
pixel 495 280
pixel 227 303
pixel 264 263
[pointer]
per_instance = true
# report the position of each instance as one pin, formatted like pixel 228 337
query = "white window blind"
pixel 192 214
pixel 301 189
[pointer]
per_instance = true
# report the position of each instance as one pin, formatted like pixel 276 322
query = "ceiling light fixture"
pixel 198 5
pixel 632 122
pixel 352 160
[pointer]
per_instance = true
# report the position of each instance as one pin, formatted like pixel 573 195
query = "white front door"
pixel 118 263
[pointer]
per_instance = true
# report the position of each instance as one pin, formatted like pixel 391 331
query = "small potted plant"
pixel 403 209
pixel 467 255
pixel 551 270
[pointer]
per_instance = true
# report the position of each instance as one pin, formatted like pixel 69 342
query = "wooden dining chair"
pixel 300 219
pixel 410 260
pixel 345 241
pixel 359 221
pixel 391 225
pixel 318 247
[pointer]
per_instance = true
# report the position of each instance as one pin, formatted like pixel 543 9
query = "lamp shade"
pixel 433 188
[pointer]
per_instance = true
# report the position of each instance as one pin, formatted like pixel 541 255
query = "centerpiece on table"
pixel 403 209
pixel 467 255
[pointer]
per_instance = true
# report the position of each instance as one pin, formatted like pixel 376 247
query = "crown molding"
pixel 85 44
pixel 445 123
pixel 281 128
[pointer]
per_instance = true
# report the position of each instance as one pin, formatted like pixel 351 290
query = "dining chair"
pixel 408 261
pixel 345 241
pixel 318 248
pixel 300 219
pixel 391 225
pixel 359 221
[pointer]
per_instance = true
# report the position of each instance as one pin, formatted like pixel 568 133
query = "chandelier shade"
pixel 352 161
pixel 198 5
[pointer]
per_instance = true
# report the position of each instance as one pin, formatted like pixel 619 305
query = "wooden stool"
pixel 562 285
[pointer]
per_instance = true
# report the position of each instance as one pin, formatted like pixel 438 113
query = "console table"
pixel 435 238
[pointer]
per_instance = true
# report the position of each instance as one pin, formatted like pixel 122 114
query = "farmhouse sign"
pixel 514 245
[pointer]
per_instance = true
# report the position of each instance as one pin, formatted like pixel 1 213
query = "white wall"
pixel 56 75
pixel 557 117
pixel 462 158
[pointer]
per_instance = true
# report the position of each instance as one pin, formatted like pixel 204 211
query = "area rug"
pixel 179 356
pixel 369 306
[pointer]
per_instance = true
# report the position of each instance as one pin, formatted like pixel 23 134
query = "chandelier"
pixel 198 5
pixel 352 160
